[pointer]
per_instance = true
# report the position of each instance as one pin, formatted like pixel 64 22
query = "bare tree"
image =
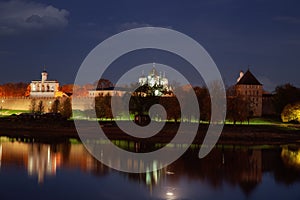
pixel 14 89
pixel 32 107
pixel 172 107
pixel 104 83
pixel 204 102
pixel 66 108
pixel 55 106
pixel 40 107
pixel 237 106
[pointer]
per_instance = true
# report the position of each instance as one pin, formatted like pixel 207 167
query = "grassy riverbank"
pixel 60 130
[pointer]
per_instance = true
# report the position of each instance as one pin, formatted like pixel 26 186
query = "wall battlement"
pixel 23 103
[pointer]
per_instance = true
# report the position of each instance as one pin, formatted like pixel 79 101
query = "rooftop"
pixel 248 79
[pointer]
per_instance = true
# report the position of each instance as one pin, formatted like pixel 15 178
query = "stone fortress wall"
pixel 23 103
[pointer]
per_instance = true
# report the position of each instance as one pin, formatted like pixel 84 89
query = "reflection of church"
pixel 44 87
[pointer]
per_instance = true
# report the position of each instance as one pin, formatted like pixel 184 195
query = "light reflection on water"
pixel 66 170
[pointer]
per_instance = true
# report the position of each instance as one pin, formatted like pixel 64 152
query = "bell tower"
pixel 44 75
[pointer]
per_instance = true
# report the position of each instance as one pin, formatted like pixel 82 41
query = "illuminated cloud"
pixel 17 16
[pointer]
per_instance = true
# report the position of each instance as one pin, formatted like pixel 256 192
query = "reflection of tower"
pixel 0 155
pixel 41 161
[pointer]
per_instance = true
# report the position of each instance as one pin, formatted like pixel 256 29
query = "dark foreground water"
pixel 66 171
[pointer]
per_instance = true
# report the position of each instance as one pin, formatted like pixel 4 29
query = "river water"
pixel 66 170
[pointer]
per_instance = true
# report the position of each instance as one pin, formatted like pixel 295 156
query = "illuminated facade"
pixel 251 90
pixel 106 92
pixel 44 87
pixel 155 80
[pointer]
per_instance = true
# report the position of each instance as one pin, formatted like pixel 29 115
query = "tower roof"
pixel 154 71
pixel 44 70
pixel 248 79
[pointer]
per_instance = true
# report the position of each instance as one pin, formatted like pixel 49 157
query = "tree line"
pixel 14 89
pixel 139 104
pixel 287 103
pixel 61 106
pixel 238 108
pixel 285 100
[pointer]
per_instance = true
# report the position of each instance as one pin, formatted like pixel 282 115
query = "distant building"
pixel 268 108
pixel 44 87
pixel 155 80
pixel 111 91
pixel 251 90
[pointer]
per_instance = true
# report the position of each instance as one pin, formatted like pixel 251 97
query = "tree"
pixel 82 90
pixel 103 84
pixel 55 106
pixel 32 107
pixel 291 113
pixel 28 89
pixel 237 106
pixel 103 106
pixel 107 107
pixel 140 105
pixel 66 108
pixel 143 91
pixel 172 107
pixel 99 106
pixel 217 97
pixel 40 107
pixel 142 99
pixel 119 107
pixel 68 89
pixel 204 102
pixel 237 109
pixel 284 95
pixel 14 89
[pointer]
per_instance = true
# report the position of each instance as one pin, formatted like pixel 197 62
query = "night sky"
pixel 263 35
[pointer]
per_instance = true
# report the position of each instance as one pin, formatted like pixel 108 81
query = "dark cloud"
pixel 17 16
pixel 288 19
pixel 131 25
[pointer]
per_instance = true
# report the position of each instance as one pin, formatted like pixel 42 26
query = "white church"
pixel 155 79
pixel 152 79
pixel 44 87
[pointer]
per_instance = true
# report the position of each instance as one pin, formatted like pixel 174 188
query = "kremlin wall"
pixel 47 91
pixel 23 103
pixel 41 90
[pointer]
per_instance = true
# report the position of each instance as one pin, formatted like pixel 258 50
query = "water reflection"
pixel 41 161
pixel 291 156
pixel 242 167
pixel 44 159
